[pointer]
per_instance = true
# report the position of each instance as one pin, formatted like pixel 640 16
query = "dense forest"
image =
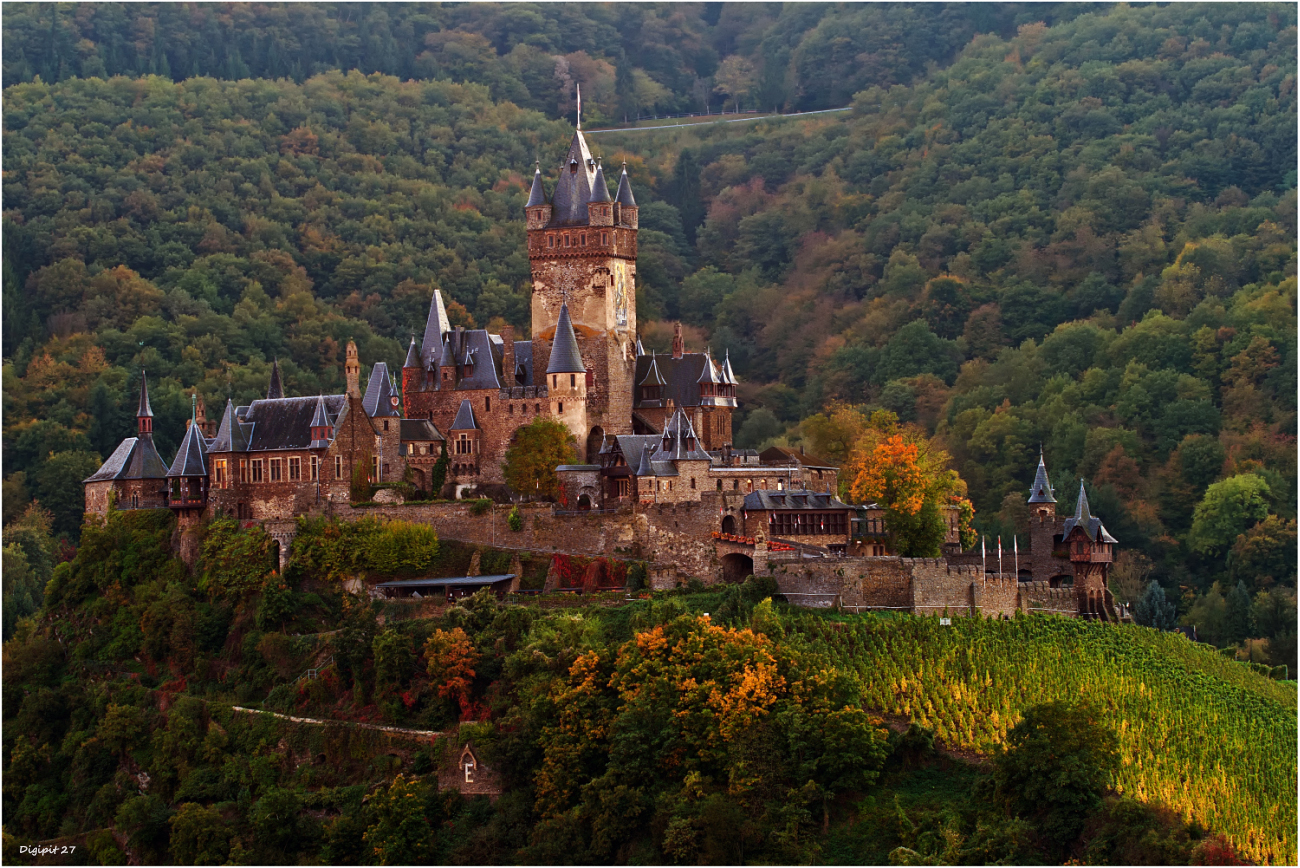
pixel 691 727
pixel 1067 227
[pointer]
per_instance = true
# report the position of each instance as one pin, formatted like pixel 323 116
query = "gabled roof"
pixel 624 196
pixel 1085 520
pixel 144 409
pixel 782 455
pixel 192 456
pixel 645 467
pixel 464 420
pixel 232 435
pixel 134 458
pixel 476 345
pixel 379 392
pixel 565 358
pixel 793 499
pixel 523 360
pixel 683 445
pixel 276 388
pixel 435 327
pixel 537 195
pixel 1041 491
pixel 419 431
pixel 599 192
pixel 573 190
pixel 321 424
pixel 682 377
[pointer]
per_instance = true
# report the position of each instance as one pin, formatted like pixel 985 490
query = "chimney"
pixel 679 345
pixel 352 369
pixel 508 356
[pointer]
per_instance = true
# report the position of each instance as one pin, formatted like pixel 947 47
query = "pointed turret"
pixel 1082 513
pixel 640 350
pixel 231 436
pixel 144 415
pixel 412 355
pixel 565 358
pixel 321 429
pixel 729 376
pixel 435 330
pixel 573 190
pixel 192 457
pixel 625 196
pixel 645 468
pixel 599 191
pixel 1041 491
pixel 708 376
pixel 537 195
pixel 275 389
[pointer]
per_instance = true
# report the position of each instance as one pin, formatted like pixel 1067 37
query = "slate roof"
pixel 134 458
pixel 640 350
pixel 794 499
pixel 1084 518
pixel 276 388
pixel 320 419
pixel 1041 491
pixel 440 583
pixel 378 392
pixel 728 375
pixel 537 195
pixel 682 377
pixel 144 409
pixel 573 190
pixel 599 192
pixel 682 443
pixel 435 327
pixel 652 376
pixel 419 431
pixel 464 420
pixel 280 423
pixel 192 456
pixel 524 359
pixel 707 373
pixel 478 344
pixel 782 455
pixel 412 355
pixel 632 446
pixel 565 358
pixel 624 196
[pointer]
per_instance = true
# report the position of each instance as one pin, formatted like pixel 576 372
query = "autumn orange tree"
pixel 531 460
pixel 897 467
pixel 451 658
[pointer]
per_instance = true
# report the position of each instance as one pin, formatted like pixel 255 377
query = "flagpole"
pixel 984 568
pixel 579 105
pixel 999 557
pixel 1015 544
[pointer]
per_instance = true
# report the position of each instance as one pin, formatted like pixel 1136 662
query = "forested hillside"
pixel 697 727
pixel 1068 226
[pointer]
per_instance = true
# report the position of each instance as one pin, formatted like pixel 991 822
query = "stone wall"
pixel 1042 597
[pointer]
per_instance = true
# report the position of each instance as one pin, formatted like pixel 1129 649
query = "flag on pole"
pixel 984 569
pixel 999 557
pixel 1015 545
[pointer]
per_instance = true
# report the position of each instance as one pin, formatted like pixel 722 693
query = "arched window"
pixel 729 524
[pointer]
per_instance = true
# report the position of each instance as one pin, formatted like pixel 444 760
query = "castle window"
pixel 604 238
pixel 719 485
pixel 735 485
pixel 463 445
pixel 338 466
pixel 550 240
pixel 555 381
pixel 692 483
pixel 219 472
pixel 537 408
pixel 277 469
pixel 313 467
pixel 256 469
pixel 385 424
pixel 573 381
pixel 243 471
pixel 582 239
pixel 567 241
pixel 295 468
pixel 560 404
pixel 487 404
pixel 510 409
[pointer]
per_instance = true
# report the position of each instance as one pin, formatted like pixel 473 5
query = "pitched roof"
pixel 464 420
pixel 793 499
pixel 419 430
pixel 435 327
pixel 537 195
pixel 1041 490
pixel 645 467
pixel 320 420
pixel 682 377
pixel 286 423
pixel 565 358
pixel 652 376
pixel 599 192
pixel 624 196
pixel 782 455
pixel 232 435
pixel 707 373
pixel 192 456
pixel 134 458
pixel 573 190
pixel 412 355
pixel 477 345
pixel 1083 518
pixel 640 350
pixel 524 360
pixel 276 388
pixel 379 392
pixel 144 409
pixel 682 444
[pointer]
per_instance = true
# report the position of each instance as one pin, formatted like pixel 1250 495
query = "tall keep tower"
pixel 582 250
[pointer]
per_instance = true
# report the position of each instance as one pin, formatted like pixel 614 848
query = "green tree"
pixel 1152 610
pixel 1239 624
pixel 398 833
pixel 539 448
pixel 1055 766
pixel 1228 509
pixel 199 836
pixel 1265 554
pixel 59 488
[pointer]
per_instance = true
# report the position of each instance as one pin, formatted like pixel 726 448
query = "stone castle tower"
pixel 582 250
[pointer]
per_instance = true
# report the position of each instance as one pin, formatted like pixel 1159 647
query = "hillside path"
pixel 429 733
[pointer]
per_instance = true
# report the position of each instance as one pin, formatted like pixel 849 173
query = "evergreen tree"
pixel 1153 610
pixel 625 89
pixel 685 193
pixel 1240 623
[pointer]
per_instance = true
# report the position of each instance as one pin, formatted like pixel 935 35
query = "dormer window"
pixel 573 166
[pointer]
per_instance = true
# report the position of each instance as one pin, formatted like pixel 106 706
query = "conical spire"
pixel 192 456
pixel 624 196
pixel 728 376
pixel 652 375
pixel 1041 492
pixel 708 375
pixel 412 355
pixel 1082 513
pixel 321 419
pixel 599 190
pixel 145 410
pixel 434 329
pixel 537 195
pixel 321 429
pixel 640 350
pixel 565 358
pixel 276 389
pixel 230 435
pixel 645 468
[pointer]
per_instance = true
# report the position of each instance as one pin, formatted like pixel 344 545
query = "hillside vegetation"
pixel 650 732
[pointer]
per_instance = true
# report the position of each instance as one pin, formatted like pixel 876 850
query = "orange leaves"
pixel 451 659
pixel 889 472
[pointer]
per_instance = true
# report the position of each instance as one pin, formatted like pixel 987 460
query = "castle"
pixel 652 435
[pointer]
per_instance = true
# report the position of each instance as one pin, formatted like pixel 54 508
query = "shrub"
pixel 480 506
pixel 515 521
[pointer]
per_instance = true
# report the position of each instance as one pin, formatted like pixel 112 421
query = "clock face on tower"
pixel 620 294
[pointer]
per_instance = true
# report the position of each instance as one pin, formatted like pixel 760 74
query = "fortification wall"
pixel 1043 598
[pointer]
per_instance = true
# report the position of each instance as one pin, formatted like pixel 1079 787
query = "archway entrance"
pixel 594 441
pixel 584 502
pixel 729 524
pixel 736 568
